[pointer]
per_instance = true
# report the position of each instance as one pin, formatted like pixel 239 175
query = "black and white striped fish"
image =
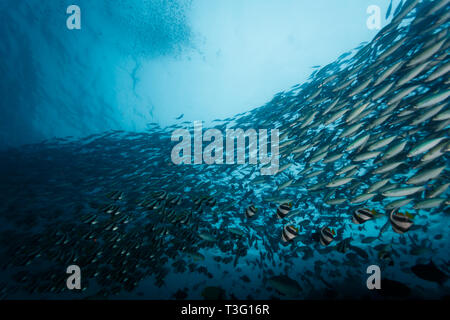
pixel 362 215
pixel 400 223
pixel 283 210
pixel 289 233
pixel 326 236
pixel 174 200
pixel 250 211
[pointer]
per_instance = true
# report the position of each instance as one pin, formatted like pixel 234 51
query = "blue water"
pixel 135 62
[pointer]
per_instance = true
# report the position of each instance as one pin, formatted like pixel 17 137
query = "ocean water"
pixel 91 121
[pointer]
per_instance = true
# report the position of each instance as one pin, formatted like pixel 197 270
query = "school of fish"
pixel 363 180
